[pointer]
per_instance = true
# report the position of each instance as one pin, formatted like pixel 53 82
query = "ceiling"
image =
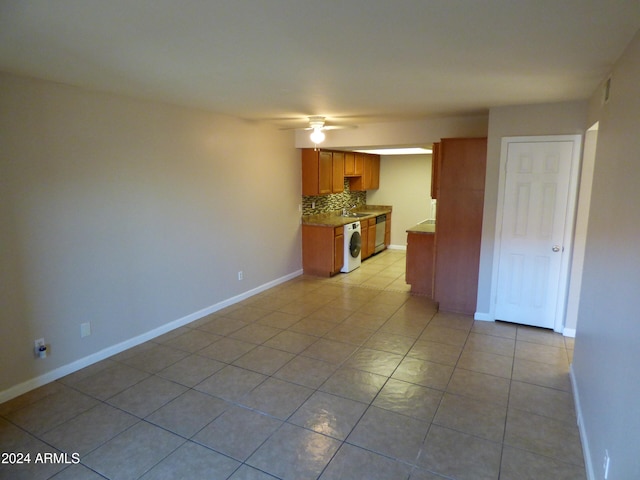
pixel 353 61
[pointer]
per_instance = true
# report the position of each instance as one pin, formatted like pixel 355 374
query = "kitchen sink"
pixel 356 215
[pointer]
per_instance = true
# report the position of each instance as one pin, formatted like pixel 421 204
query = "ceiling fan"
pixel 318 125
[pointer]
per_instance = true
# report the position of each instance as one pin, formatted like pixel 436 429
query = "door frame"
pixel 560 310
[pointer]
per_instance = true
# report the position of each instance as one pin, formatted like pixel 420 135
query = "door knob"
pixel 556 248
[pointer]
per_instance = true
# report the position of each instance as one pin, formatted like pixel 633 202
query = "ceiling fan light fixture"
pixel 317 135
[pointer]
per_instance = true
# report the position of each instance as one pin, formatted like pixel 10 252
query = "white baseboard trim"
pixel 397 247
pixel 485 317
pixel 72 367
pixel 588 464
pixel 569 332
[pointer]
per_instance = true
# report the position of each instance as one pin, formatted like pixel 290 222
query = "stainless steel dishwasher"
pixel 381 224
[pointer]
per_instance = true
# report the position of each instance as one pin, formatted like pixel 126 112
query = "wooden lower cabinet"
pixel 322 250
pixel 368 234
pixel 420 260
pixel 387 231
pixel 364 238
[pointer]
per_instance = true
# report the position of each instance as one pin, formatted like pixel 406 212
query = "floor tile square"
pixel 191 370
pixel 222 325
pixel 291 342
pixel 90 429
pixel 330 415
pixel 472 416
pixel 374 361
pixel 156 358
pixel 409 399
pixel 349 334
pixel 521 465
pixel 192 461
pixel 542 401
pixel 436 352
pixel 277 398
pixel 330 351
pixel 51 411
pixel 264 360
pixel 188 413
pixel 479 342
pixel 449 336
pixel 231 383
pixel 192 341
pixel 541 353
pixel 543 374
pixel 227 350
pixel 390 434
pixel 539 335
pixel 354 384
pixel 421 372
pixel 238 432
pixel 390 342
pixel 255 333
pixel 496 329
pixel 279 320
pixel 480 386
pixel 294 453
pixel 306 371
pixel 489 363
pixel 460 456
pixel 111 381
pixel 133 452
pixel 352 462
pixel 544 436
pixel 245 472
pixel 311 326
pixel 147 396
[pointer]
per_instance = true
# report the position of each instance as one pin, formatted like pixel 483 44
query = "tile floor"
pixel 315 378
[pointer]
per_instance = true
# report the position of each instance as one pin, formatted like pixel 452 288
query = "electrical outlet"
pixel 605 464
pixel 240 275
pixel 85 329
pixel 39 348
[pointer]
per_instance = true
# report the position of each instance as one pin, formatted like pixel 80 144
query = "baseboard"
pixel 586 452
pixel 72 367
pixel 569 332
pixel 397 247
pixel 485 317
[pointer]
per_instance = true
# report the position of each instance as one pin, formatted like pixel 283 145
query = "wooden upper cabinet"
pixel 338 172
pixel 358 163
pixel 350 164
pixel 325 176
pixel 322 175
pixel 370 178
pixel 374 179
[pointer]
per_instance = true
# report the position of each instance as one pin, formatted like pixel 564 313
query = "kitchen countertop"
pixel 423 227
pixel 335 218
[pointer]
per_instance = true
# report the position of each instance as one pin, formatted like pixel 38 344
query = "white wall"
pixel 130 215
pixel 545 119
pixel 607 355
pixel 405 183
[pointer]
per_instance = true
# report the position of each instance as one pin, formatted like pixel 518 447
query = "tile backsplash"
pixel 312 205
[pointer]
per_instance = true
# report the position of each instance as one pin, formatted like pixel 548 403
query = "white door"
pixel 537 206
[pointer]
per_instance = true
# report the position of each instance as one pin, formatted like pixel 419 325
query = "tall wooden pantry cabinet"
pixel 460 192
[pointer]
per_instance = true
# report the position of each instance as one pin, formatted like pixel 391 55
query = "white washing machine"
pixel 352 247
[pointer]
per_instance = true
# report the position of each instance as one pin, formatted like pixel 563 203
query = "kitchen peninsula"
pixel 421 258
